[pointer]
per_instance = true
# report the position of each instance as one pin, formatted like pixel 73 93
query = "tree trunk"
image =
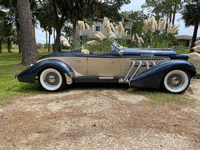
pixel 57 43
pixel 34 30
pixel 49 46
pixel 28 45
pixel 174 14
pixel 194 37
pixel 0 46
pixel 46 37
pixel 54 35
pixel 74 34
pixel 9 45
pixel 170 17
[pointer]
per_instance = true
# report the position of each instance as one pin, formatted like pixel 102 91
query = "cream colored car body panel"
pixel 106 66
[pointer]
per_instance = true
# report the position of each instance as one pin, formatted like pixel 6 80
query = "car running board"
pixel 126 80
pixel 106 78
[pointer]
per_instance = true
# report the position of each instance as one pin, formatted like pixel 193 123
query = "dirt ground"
pixel 99 119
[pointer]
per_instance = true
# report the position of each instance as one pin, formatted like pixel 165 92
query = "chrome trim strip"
pixel 126 77
pixel 147 64
pixel 136 71
pixel 154 64
pixel 104 78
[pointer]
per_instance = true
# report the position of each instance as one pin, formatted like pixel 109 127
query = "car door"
pixel 106 65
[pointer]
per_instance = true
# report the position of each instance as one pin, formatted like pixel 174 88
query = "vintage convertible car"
pixel 144 68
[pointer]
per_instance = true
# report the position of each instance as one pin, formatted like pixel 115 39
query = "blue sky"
pixel 134 5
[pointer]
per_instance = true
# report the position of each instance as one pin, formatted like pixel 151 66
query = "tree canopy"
pixel 168 8
pixel 191 16
pixel 7 29
pixel 89 9
pixel 138 18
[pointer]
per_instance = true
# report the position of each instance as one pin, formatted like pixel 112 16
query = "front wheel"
pixel 176 81
pixel 51 79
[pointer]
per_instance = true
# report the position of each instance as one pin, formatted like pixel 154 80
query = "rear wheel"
pixel 176 81
pixel 51 79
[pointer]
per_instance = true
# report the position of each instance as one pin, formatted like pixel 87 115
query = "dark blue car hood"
pixel 144 52
pixel 148 52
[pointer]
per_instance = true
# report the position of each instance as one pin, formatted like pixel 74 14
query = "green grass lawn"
pixel 161 97
pixel 182 51
pixel 10 64
pixel 198 70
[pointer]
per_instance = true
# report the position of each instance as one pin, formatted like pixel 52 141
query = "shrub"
pixel 105 46
pixel 46 46
pixel 39 45
pixel 156 35
pixel 99 42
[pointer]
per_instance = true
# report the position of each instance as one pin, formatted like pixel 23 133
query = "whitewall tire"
pixel 176 81
pixel 51 79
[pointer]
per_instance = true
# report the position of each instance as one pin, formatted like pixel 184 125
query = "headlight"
pixel 31 64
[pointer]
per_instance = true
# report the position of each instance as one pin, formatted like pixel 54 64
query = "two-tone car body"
pixel 138 67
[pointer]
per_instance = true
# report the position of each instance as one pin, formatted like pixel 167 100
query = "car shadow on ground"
pixel 97 86
pixel 37 89
pixel 108 86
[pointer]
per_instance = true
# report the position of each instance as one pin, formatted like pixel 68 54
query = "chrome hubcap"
pixel 175 80
pixel 52 78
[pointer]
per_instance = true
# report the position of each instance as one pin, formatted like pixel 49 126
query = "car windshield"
pixel 115 46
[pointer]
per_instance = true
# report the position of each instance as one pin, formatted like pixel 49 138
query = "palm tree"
pixel 6 28
pixel 48 10
pixel 46 22
pixel 2 15
pixel 191 16
pixel 24 24
pixel 29 50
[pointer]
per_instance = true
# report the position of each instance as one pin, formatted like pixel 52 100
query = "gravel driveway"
pixel 99 119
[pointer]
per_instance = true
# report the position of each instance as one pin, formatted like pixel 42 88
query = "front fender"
pixel 29 75
pixel 153 77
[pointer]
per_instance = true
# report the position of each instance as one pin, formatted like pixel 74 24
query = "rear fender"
pixel 153 77
pixel 29 75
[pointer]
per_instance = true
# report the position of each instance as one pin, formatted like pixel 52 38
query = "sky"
pixel 135 5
